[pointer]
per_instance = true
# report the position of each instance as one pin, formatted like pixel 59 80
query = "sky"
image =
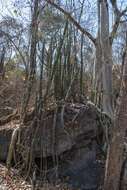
pixel 23 14
pixel 90 19
pixel 7 8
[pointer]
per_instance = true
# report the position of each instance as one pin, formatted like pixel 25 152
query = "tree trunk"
pixel 81 69
pixel 32 69
pixel 98 73
pixel 116 149
pixel 2 71
pixel 98 64
pixel 106 59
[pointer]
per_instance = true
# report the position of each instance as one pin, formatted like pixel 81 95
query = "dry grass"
pixel 11 180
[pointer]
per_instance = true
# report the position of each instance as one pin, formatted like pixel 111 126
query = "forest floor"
pixel 11 180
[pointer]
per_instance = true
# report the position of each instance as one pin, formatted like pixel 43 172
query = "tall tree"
pixel 106 59
pixel 33 51
pixel 116 149
pixel 102 42
pixel 2 59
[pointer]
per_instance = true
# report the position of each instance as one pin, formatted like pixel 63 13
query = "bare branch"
pixel 118 16
pixel 115 7
pixel 71 19
pixel 124 11
pixel 114 29
pixel 10 39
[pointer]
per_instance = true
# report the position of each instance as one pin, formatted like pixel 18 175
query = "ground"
pixel 11 180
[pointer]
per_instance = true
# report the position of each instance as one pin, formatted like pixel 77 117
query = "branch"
pixel 124 11
pixel 115 7
pixel 71 19
pixel 115 27
pixel 118 16
pixel 10 39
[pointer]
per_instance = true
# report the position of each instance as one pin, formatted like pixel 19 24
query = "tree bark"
pixel 114 161
pixel 106 59
pixel 33 50
pixel 2 58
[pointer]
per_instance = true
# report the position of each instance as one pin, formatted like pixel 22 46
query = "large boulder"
pixel 75 138
pixel 81 127
pixel 5 139
pixel 84 173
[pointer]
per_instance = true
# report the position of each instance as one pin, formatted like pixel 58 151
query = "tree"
pixel 115 154
pixel 104 41
pixel 33 51
pixel 2 59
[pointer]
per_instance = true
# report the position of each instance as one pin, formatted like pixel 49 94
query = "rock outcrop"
pixel 72 142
